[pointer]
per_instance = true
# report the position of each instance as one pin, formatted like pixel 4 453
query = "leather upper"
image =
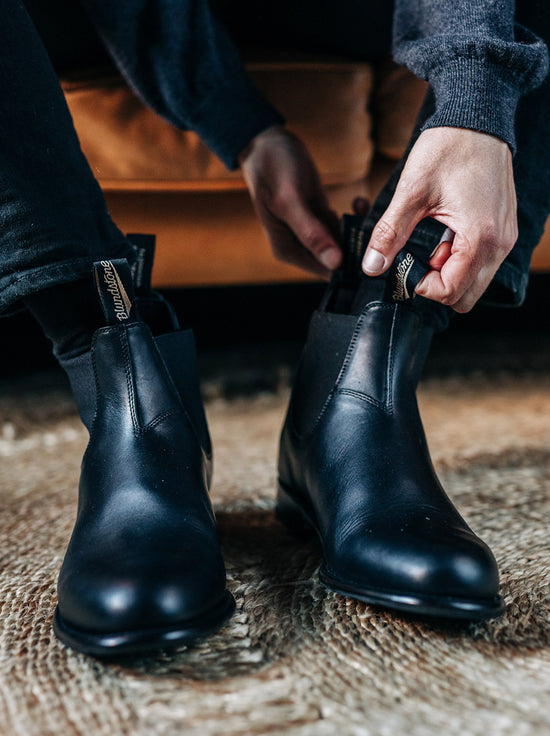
pixel 355 460
pixel 144 553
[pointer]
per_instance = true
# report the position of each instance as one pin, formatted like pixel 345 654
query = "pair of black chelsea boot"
pixel 354 465
pixel 144 570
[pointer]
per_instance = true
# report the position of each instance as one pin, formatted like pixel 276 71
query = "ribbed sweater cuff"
pixel 470 93
pixel 231 116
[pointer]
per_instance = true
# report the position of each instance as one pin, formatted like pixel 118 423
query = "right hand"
pixel 289 198
pixel 464 179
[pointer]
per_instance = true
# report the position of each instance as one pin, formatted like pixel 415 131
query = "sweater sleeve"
pixel 180 61
pixel 476 59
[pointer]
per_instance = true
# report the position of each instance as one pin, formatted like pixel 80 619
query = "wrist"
pixel 267 136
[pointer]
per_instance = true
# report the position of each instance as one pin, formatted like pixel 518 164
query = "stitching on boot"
pixel 391 357
pixel 96 381
pixel 385 406
pixel 333 391
pixel 363 397
pixel 129 380
pixel 336 389
pixel 140 430
pixel 168 413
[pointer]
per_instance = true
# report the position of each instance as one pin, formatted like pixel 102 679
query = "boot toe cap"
pixel 105 602
pixel 453 565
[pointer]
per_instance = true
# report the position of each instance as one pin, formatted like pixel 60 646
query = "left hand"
pixel 289 198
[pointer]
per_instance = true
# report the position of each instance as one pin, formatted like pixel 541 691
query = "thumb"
pixel 390 234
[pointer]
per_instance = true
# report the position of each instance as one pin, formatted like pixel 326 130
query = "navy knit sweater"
pixel 181 61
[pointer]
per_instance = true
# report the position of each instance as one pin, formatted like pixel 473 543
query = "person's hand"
pixel 288 196
pixel 463 179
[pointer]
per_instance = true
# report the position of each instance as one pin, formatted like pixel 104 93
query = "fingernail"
pixel 330 258
pixel 373 262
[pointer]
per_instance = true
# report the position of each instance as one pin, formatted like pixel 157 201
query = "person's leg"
pixel 144 568
pixel 54 219
pixel 55 222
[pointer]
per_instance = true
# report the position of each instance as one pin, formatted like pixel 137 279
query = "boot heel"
pixel 289 513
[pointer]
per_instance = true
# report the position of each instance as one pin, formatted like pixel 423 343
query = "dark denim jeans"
pixel 53 216
pixel 53 219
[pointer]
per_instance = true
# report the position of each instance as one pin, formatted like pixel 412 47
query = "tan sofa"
pixel 354 118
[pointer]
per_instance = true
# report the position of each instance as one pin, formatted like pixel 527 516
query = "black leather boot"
pixel 143 569
pixel 354 464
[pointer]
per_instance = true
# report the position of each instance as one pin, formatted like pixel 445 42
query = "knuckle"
pixel 449 296
pixel 447 301
pixel 497 239
pixel 384 233
pixel 488 235
pixel 462 308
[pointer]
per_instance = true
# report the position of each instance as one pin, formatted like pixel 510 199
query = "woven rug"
pixel 295 659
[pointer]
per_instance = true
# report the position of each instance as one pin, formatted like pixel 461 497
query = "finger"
pixel 448 285
pixel 441 255
pixel 391 233
pixel 314 236
pixel 287 248
pixel 442 250
pixel 456 276
pixel 472 295
pixel 466 272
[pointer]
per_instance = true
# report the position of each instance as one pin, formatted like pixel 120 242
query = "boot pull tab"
pixel 142 268
pixel 405 273
pixel 114 285
pixel 149 305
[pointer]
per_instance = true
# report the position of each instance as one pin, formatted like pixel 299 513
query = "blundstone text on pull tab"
pixel 400 292
pixel 114 284
pixel 406 273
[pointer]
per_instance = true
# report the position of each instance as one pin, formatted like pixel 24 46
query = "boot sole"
pixel 144 641
pixel 300 523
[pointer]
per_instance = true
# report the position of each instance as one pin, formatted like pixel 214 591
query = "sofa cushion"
pixel 129 147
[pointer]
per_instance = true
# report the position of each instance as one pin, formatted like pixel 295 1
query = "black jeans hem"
pixel 16 286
